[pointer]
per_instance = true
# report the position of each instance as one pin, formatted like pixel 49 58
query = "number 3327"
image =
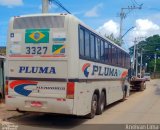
pixel 36 50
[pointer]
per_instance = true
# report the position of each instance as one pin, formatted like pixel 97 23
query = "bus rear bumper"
pixel 46 105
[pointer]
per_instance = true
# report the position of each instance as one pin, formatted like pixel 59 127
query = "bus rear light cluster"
pixel 70 90
pixel 6 88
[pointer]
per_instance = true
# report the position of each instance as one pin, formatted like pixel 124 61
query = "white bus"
pixel 57 64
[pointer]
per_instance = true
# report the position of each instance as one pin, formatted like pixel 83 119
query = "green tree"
pixel 150 46
pixel 113 38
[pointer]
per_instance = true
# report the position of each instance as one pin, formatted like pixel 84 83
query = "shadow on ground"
pixel 48 120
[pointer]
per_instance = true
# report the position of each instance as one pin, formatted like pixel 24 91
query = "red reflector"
pixel 61 99
pixel 70 90
pixel 6 88
pixel 9 96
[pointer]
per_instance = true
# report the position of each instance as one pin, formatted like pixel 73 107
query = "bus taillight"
pixel 70 90
pixel 6 88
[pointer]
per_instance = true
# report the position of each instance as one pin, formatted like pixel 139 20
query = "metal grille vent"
pixel 39 22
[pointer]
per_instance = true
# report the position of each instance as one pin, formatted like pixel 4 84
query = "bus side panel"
pixel 85 90
pixel 82 99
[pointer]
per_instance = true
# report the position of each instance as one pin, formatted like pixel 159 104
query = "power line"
pixel 136 2
pixel 57 2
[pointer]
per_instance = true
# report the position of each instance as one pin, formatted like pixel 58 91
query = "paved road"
pixel 140 107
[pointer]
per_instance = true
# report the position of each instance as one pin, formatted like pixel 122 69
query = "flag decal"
pixel 37 36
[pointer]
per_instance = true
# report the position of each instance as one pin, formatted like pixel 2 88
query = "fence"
pixel 155 75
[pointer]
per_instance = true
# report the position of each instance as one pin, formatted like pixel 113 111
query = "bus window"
pixel 81 42
pixel 97 49
pixel 116 56
pixel 87 45
pixel 113 55
pixel 128 61
pixel 119 57
pixel 123 59
pixel 92 42
pixel 106 52
pixel 102 51
pixel 110 53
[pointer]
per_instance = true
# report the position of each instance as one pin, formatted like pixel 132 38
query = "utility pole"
pixel 141 65
pixel 134 53
pixel 123 15
pixel 45 6
pixel 136 61
pixel 155 62
pixel 135 57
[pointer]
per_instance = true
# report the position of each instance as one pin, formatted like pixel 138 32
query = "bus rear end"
pixel 37 65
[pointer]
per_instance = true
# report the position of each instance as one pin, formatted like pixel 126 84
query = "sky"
pixel 101 15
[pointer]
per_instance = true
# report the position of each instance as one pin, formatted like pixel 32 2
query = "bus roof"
pixel 75 18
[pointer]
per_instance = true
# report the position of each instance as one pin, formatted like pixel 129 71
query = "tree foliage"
pixel 2 51
pixel 113 38
pixel 149 47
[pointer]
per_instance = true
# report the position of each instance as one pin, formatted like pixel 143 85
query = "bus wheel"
pixel 101 104
pixel 142 86
pixel 94 104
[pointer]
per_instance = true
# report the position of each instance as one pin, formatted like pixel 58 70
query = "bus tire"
pixel 101 103
pixel 142 86
pixel 94 104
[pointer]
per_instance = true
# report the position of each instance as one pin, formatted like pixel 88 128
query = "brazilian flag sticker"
pixel 58 49
pixel 37 36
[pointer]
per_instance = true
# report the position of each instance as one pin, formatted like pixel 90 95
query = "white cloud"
pixel 94 11
pixel 11 3
pixel 144 28
pixel 110 27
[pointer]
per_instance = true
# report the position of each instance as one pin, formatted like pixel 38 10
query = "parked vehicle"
pixel 147 76
pixel 2 82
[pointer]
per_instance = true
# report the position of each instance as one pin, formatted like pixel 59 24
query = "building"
pixel 2 78
pixel 2 51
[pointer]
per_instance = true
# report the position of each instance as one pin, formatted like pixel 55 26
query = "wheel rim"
pixel 102 103
pixel 94 105
pixel 102 106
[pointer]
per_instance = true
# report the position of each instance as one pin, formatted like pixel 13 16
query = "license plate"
pixel 36 104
